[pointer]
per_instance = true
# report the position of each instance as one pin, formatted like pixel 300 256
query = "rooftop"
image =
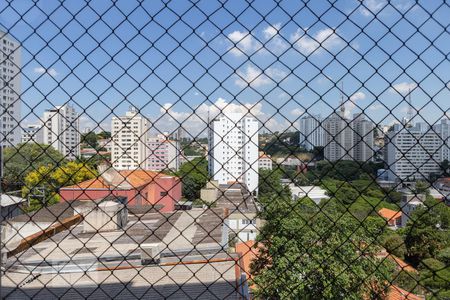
pixel 195 280
pixel 7 200
pixel 389 214
pixel 126 178
pixel 236 199
pixel 181 233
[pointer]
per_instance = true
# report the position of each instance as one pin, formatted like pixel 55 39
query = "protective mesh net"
pixel 225 149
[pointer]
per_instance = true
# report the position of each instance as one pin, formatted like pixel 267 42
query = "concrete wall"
pixel 14 232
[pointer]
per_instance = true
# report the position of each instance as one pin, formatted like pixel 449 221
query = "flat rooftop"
pixel 211 280
pixel 236 199
pixel 180 234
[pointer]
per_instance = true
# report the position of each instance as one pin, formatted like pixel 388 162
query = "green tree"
pixel 104 135
pixel 42 185
pixel 426 232
pixel 20 160
pixel 434 275
pixel 394 244
pixel 270 186
pixel 90 140
pixel 316 257
pixel 194 176
pixel 422 187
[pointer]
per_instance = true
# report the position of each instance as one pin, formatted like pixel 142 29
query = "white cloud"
pixel 370 7
pixel 357 96
pixel 297 112
pixel 403 87
pixel 322 39
pixel 244 43
pixel 195 122
pixel 271 30
pixel 351 103
pixel 376 106
pixel 404 5
pixel 255 77
pixel 41 70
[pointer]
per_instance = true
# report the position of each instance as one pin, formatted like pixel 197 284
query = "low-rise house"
pixel 393 217
pixel 315 193
pixel 141 187
pixel 242 210
pixel 265 161
pixel 409 203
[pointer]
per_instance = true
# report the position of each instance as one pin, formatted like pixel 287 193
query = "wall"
pixel 149 194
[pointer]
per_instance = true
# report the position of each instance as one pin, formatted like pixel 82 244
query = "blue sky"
pixel 278 60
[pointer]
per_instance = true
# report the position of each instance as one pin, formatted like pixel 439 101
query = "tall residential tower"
pixel 129 136
pixel 311 132
pixel 233 149
pixel 62 130
pixel 10 89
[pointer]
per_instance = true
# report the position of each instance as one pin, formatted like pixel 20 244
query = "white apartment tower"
pixel 33 133
pixel 444 130
pixel 339 137
pixel 129 135
pixel 413 153
pixel 363 138
pixel 162 153
pixel 62 130
pixel 10 89
pixel 311 132
pixel 233 149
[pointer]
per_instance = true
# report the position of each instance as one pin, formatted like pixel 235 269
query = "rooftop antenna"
pixel 342 106
pixel 410 113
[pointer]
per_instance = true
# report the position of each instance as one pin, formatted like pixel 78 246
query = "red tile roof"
pixel 396 293
pixel 389 214
pixel 248 253
pixel 135 178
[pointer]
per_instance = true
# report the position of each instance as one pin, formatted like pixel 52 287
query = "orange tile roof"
pixel 399 263
pixel 248 253
pixel 396 293
pixel 135 178
pixel 389 214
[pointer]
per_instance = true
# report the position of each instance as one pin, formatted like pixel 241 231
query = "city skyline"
pixel 292 66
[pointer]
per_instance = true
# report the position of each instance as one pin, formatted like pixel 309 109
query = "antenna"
pixel 410 113
pixel 342 104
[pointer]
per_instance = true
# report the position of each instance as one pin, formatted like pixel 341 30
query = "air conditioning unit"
pixel 150 253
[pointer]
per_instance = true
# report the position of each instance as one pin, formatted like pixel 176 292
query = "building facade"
pixel 444 131
pixel 10 90
pixel 61 130
pixel 311 132
pixel 339 137
pixel 413 153
pixel 233 149
pixel 265 161
pixel 129 136
pixel 363 138
pixel 33 133
pixel 162 154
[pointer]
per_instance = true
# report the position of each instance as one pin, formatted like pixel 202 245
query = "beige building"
pixel 129 135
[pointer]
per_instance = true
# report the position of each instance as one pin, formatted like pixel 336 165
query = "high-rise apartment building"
pixel 311 132
pixel 413 153
pixel 233 149
pixel 33 133
pixel 339 137
pixel 444 131
pixel 162 153
pixel 62 130
pixel 10 89
pixel 129 137
pixel 363 138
